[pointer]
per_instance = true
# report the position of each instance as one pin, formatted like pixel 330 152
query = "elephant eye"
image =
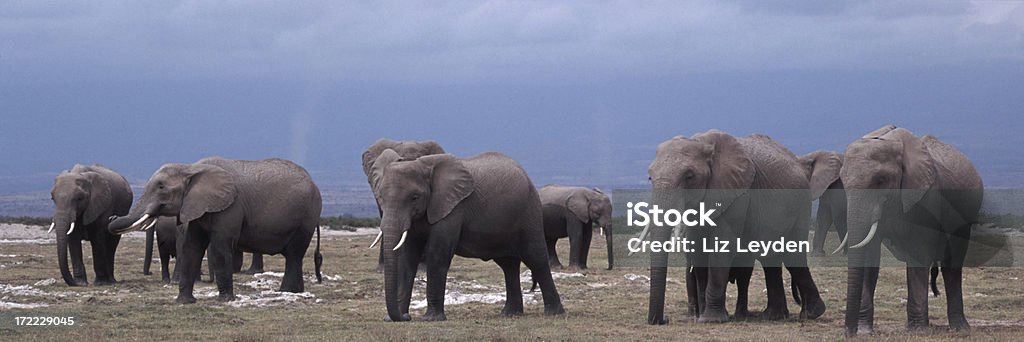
pixel 414 197
pixel 689 174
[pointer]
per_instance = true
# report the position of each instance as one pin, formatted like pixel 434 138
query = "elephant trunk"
pixel 393 230
pixel 62 224
pixel 659 262
pixel 609 242
pixel 141 215
pixel 149 252
pixel 862 214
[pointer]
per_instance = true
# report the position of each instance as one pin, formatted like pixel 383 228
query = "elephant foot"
pixel 434 316
pixel 812 311
pixel 79 282
pixel 226 297
pixel 714 316
pixel 403 318
pixel 147 273
pixel 555 264
pixel 743 315
pixel 959 324
pixel 105 282
pixel 252 271
pixel 865 328
pixel 509 311
pixel 658 320
pixel 166 280
pixel 775 314
pixel 183 299
pixel 380 268
pixel 818 253
pixel 554 310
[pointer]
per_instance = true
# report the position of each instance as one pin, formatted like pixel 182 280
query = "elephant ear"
pixel 432 147
pixel 450 183
pixel 100 196
pixel 210 189
pixel 918 167
pixel 730 167
pixel 374 151
pixel 376 173
pixel 579 204
pixel 822 169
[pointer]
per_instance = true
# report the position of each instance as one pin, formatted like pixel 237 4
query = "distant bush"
pixel 28 220
pixel 1002 220
pixel 348 222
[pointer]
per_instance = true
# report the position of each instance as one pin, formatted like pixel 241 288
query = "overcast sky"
pixel 571 89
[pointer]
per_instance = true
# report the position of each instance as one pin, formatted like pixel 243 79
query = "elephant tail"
pixel 935 275
pixel 796 292
pixel 318 259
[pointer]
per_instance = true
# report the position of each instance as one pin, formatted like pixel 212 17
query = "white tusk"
pixel 871 234
pixel 51 228
pixel 141 220
pixel 401 241
pixel 375 241
pixel 643 235
pixel 678 230
pixel 151 224
pixel 72 227
pixel 841 244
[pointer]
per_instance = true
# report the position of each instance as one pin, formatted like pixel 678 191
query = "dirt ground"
pixel 600 304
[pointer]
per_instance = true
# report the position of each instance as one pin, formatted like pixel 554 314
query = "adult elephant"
pixel 438 206
pixel 759 193
pixel 408 150
pixel 921 197
pixel 84 198
pixel 573 212
pixel 830 195
pixel 269 206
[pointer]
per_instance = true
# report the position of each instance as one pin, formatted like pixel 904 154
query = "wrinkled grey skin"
pixel 88 196
pixel 268 206
pixel 684 172
pixel 408 150
pixel 924 195
pixel 823 166
pixel 573 212
pixel 479 207
pixel 166 238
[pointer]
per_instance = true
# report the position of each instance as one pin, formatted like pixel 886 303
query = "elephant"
pixel 266 206
pixel 407 149
pixel 572 212
pixel 831 201
pixel 920 197
pixel 166 234
pixel 744 177
pixel 439 206
pixel 85 197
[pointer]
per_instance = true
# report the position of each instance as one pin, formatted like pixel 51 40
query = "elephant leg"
pixel 165 260
pixel 575 230
pixel 585 239
pixel 149 252
pixel 952 278
pixel 513 288
pixel 293 255
pixel 743 275
pixel 257 264
pixel 866 316
pixel 112 242
pixel 693 309
pixel 534 259
pixel 77 262
pixel 777 308
pixel 219 256
pixel 236 265
pixel 718 279
pixel 917 297
pixel 701 277
pixel 380 260
pixel 190 259
pixel 408 265
pixel 100 259
pixel 552 254
pixel 823 221
pixel 811 305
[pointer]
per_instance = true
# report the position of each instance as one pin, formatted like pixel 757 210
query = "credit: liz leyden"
pixel 684 245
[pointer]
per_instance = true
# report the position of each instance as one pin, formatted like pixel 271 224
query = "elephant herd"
pixel 917 195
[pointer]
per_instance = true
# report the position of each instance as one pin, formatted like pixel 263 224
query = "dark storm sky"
pixel 577 92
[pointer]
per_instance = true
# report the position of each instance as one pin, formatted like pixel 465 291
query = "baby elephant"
pixel 573 212
pixel 823 166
